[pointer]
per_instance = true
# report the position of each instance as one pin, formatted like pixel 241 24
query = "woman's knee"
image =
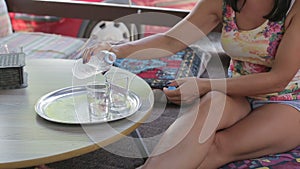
pixel 213 100
pixel 204 103
pixel 228 110
pixel 213 95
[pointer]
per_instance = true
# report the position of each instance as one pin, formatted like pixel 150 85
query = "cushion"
pixel 290 160
pixel 158 72
pixel 34 44
pixel 5 28
pixel 42 45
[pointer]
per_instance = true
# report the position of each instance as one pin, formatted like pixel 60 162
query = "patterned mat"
pixel 287 160
pixel 158 72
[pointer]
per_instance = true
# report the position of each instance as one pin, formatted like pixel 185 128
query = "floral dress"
pixel 253 51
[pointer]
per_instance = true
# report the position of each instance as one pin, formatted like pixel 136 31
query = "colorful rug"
pixel 158 72
pixel 287 160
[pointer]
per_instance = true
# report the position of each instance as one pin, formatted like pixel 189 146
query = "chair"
pixel 36 44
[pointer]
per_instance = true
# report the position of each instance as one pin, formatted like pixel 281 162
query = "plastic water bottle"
pixel 100 62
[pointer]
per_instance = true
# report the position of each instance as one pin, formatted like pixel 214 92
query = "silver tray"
pixel 69 105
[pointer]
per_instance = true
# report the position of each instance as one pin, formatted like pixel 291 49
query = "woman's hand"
pixel 188 90
pixel 89 51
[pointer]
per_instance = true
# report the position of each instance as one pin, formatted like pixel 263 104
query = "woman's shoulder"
pixel 207 9
pixel 212 6
pixel 293 14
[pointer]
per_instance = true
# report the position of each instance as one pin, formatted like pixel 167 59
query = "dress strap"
pixel 292 3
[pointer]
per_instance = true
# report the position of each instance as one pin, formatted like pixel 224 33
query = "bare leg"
pixel 180 147
pixel 270 129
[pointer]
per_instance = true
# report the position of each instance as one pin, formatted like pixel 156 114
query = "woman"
pixel 260 113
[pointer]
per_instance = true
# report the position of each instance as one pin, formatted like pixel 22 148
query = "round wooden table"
pixel 26 139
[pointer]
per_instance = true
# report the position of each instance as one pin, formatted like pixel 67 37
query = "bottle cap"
pixel 110 57
pixel 171 88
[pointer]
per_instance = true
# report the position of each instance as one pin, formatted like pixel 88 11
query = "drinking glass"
pixel 117 83
pixel 98 100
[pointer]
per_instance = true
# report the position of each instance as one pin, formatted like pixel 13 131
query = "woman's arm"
pixel 286 65
pixel 201 20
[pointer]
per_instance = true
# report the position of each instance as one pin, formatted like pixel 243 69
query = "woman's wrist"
pixel 114 49
pixel 120 50
pixel 204 85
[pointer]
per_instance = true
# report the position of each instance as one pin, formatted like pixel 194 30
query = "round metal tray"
pixel 69 105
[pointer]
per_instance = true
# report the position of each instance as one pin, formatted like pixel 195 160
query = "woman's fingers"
pixel 183 93
pixel 175 96
pixel 88 52
pixel 86 56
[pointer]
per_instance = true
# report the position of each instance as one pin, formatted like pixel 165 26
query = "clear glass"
pixel 98 100
pixel 117 83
